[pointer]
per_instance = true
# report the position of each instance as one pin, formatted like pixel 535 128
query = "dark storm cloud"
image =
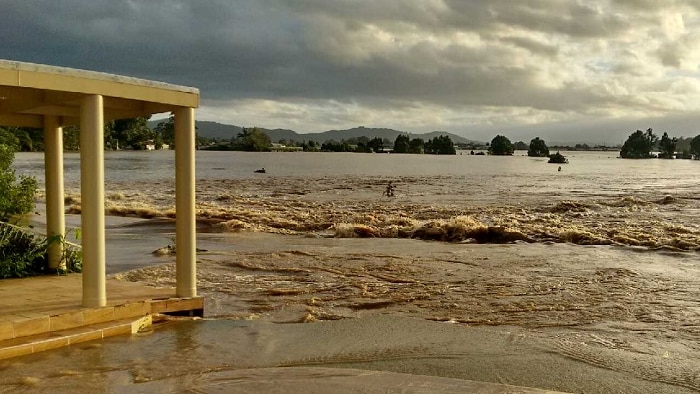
pixel 216 46
pixel 263 49
pixel 537 59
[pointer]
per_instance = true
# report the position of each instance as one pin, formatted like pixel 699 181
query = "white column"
pixel 92 218
pixel 55 209
pixel 185 221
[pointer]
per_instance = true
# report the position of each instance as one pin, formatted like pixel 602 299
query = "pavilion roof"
pixel 29 91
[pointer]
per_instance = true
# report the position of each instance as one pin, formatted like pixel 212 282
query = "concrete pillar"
pixel 185 220
pixel 92 191
pixel 55 209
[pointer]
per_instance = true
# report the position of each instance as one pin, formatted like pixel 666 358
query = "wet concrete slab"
pixel 50 305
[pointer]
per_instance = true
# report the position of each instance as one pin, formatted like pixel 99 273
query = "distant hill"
pixel 369 132
pixel 216 130
pixel 339 135
pixel 208 129
pixel 285 134
pixel 224 131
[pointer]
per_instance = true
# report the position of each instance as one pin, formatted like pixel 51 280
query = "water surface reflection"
pixel 337 356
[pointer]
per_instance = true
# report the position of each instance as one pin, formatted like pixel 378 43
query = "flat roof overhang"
pixel 49 97
pixel 29 91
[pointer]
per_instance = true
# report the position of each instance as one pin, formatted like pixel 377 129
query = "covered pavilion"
pixel 49 97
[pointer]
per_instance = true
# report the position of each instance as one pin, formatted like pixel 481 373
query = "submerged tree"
pixel 638 145
pixel 343 146
pixel 132 133
pixel 416 145
pixel 695 147
pixel 402 143
pixel 667 146
pixel 165 132
pixel 558 158
pixel 376 145
pixel 71 138
pixel 441 145
pixel 252 140
pixel 310 146
pixel 538 148
pixel 501 146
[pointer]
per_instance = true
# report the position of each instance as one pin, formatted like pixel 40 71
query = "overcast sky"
pixel 581 70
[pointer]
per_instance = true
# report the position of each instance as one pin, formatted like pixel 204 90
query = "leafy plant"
pixel 16 198
pixel 23 253
pixel 72 257
pixel 20 254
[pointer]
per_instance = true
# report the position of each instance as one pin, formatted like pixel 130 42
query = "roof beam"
pixel 21 120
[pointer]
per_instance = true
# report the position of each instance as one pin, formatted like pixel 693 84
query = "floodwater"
pixel 489 269
pixel 597 199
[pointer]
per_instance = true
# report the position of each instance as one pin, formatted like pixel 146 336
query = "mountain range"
pixel 210 129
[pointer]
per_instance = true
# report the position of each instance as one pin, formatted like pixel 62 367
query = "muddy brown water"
pixel 596 292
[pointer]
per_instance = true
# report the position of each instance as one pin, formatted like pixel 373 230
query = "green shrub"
pixel 16 198
pixel 25 254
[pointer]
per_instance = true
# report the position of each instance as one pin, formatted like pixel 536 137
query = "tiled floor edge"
pixel 89 316
pixel 139 314
pixel 119 328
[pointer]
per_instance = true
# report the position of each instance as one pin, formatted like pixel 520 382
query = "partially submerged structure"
pixel 49 97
